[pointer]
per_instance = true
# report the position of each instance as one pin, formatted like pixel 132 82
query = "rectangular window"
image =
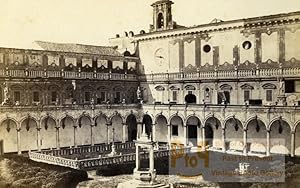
pixel 17 96
pixel 175 130
pixel 174 98
pixel 53 96
pixel 246 95
pixel 87 96
pixel 289 86
pixel 269 95
pixel 36 96
pixel 102 96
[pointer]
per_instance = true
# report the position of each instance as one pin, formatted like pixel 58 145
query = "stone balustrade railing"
pixel 228 74
pixel 55 160
pixel 101 161
pixel 65 74
pixel 103 148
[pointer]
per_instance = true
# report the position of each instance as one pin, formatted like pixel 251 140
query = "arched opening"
pixel 280 137
pixel 100 130
pixel 8 133
pixel 297 139
pixel 256 136
pixel 193 123
pixel 160 21
pixel 132 128
pixel 234 135
pixel 213 133
pixel 177 131
pixel 190 99
pixel 116 133
pixel 66 132
pixel 83 132
pixel 147 121
pixel 28 134
pixel 48 133
pixel 209 135
pixel 161 133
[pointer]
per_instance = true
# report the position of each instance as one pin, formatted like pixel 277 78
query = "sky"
pixel 95 21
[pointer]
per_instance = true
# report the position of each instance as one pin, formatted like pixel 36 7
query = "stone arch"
pixel 8 133
pixel 67 131
pixel 148 122
pixel 83 132
pixel 193 125
pixel 116 128
pixel 28 133
pixel 100 129
pixel 161 128
pixel 177 129
pixel 297 138
pixel 213 131
pixel 160 20
pixel 256 135
pixel 280 136
pixel 48 132
pixel 234 134
pixel 190 98
pixel 131 122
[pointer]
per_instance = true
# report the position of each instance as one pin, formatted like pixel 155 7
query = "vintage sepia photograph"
pixel 149 94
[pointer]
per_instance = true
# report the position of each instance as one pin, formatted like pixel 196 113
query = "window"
pixel 247 45
pixel 102 96
pixel 174 97
pixel 174 130
pixel 206 48
pixel 246 95
pixel 224 97
pixel 17 96
pixel 118 97
pixel 160 21
pixel 36 96
pixel 269 95
pixel 53 96
pixel 87 96
pixel 289 86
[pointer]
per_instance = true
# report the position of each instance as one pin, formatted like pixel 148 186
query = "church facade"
pixel 226 85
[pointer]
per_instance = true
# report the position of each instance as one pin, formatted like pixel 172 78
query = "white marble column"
pixel 203 139
pixel 293 144
pixel 38 129
pixel 151 159
pixel 154 132
pixel 185 140
pixel 19 141
pixel 92 127
pixel 139 129
pixel 57 137
pixel 108 132
pixel 245 142
pixel 124 131
pixel 223 140
pixel 268 143
pixel 75 133
pixel 199 136
pixel 169 136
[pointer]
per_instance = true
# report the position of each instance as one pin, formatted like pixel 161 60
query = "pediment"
pixel 269 86
pixel 246 86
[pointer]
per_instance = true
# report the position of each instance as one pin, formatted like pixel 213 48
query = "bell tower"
pixel 162 16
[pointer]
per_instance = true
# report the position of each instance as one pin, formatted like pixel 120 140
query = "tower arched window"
pixel 160 21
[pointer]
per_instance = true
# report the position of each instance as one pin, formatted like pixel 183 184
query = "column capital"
pixel 108 124
pixel 38 128
pixel 293 132
pixel 18 129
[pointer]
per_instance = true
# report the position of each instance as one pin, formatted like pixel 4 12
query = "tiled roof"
pixel 78 48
